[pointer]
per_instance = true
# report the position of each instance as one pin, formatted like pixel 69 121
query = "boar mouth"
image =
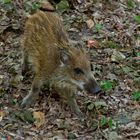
pixel 92 87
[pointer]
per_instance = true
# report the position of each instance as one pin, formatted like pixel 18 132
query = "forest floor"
pixel 110 30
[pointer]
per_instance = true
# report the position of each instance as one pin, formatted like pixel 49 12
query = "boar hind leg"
pixel 34 92
pixel 25 63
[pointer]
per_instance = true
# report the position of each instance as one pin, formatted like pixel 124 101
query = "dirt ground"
pixel 110 31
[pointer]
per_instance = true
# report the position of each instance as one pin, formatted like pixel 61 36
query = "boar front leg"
pixel 66 92
pixel 74 107
pixel 34 92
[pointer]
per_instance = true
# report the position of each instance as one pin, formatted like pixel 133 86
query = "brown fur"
pixel 45 43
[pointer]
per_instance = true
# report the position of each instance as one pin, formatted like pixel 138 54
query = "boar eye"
pixel 78 71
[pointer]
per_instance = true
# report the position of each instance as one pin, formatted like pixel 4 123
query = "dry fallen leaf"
pixel 2 114
pixel 90 23
pixel 92 43
pixel 39 118
pixel 118 26
pixel 117 56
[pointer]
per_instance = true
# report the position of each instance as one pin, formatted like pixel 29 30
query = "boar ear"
pixel 64 57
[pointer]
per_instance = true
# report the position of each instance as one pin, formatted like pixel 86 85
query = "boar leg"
pixel 66 91
pixel 25 65
pixel 34 92
pixel 74 107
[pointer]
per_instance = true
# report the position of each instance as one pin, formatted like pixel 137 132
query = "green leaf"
pixel 106 122
pixel 62 6
pixel 100 104
pixel 63 125
pixel 90 106
pixel 95 124
pixel 71 136
pixel 137 18
pixel 138 54
pixel 138 37
pixel 8 6
pixel 14 101
pixel 106 85
pixel 7 1
pixel 131 4
pixel 127 69
pixel 36 5
pixel 130 71
pixel 103 121
pixel 135 95
pixel 98 27
pixel 27 6
pixel 109 44
pixel 25 115
pixel 110 122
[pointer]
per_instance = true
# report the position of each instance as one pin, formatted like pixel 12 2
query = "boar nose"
pixel 92 87
pixel 96 90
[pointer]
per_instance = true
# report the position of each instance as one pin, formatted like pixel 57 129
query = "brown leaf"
pixel 118 26
pixel 39 117
pixel 92 43
pixel 2 114
pixel 90 23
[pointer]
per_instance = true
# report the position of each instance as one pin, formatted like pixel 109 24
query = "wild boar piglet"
pixel 54 60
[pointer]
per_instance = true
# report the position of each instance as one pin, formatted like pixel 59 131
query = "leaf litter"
pixel 109 30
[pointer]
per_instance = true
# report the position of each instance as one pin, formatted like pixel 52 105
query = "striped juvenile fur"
pixel 66 68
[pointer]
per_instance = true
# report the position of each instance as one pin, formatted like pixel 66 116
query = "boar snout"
pixel 92 87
